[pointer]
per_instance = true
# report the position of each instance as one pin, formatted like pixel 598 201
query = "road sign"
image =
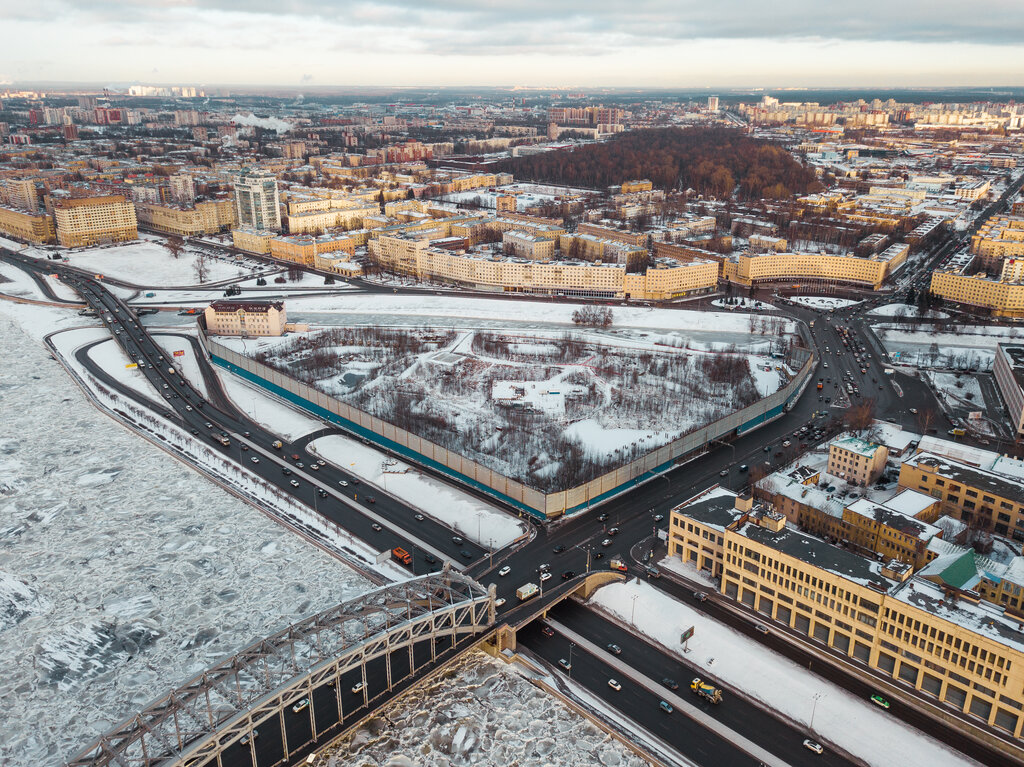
pixel 179 353
pixel 686 635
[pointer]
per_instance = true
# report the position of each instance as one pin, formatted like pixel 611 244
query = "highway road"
pixel 629 518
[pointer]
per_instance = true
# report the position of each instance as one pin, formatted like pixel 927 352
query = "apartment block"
pixel 246 318
pixel 84 221
pixel 205 217
pixel 871 271
pixel 257 202
pixel 23 225
pixel 856 460
pixel 252 240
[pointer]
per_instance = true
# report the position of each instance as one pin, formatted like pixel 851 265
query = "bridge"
pixel 291 693
pixel 284 695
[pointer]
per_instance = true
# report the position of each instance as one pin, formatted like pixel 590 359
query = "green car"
pixel 879 700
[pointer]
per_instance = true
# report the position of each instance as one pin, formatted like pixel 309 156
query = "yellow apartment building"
pixel 32 227
pixel 753 268
pixel 526 245
pixel 252 240
pixel 857 461
pixel 206 217
pixel 931 634
pixel 83 221
pixel 246 318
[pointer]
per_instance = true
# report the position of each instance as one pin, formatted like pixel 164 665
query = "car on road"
pixel 371 499
pixel 658 517
pixel 813 746
pixel 700 596
pixel 457 539
pixel 343 483
pixel 300 464
pixel 567 574
pixel 559 548
pixel 613 531
pixel 286 471
pixel 244 740
pixel 761 628
pixel 614 685
pixel 666 706
pixel 598 555
pixel 544 568
pixel 302 705
pixel 295 456
pixel 878 700
pixel 430 559
pixel 614 649
pixel 499 602
pixel 254 459
pixel 545 577
pixel 723 473
pixel 358 688
pixel 504 571
pixel 466 554
pixel 419 517
pixel 319 461
pixel 209 425
pixel 314 467
pixel 245 448
pixel 602 518
pixel 565 664
pixel 607 542
pixel 671 684
pixel 547 631
pixel 786 443
pixel 321 492
pixel 376 528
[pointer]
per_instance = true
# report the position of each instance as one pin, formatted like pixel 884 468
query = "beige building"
pixel 753 268
pixel 1008 371
pixel 83 221
pixel 667 279
pixel 245 318
pixel 20 193
pixel 963 653
pixel 856 460
pixel 1003 296
pixel 252 240
pixel 22 225
pixel 207 217
pixel 1001 236
pixel 526 245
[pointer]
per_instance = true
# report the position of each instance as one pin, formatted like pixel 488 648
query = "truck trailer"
pixel 706 691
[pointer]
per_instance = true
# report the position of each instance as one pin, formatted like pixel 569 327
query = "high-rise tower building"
pixel 256 200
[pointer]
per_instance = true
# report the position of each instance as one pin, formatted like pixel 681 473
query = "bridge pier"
pixel 505 639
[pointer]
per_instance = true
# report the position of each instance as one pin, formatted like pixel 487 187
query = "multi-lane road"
pixel 570 546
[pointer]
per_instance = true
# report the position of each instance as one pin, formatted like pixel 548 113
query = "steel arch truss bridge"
pixel 306 684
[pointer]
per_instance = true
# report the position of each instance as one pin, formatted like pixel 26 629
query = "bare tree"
pixel 174 245
pixel 201 267
pixel 861 415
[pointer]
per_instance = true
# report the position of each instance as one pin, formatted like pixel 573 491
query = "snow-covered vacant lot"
pixel 150 264
pixel 122 572
pixel 959 347
pixel 550 409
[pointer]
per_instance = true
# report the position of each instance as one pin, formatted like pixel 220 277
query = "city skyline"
pixel 484 44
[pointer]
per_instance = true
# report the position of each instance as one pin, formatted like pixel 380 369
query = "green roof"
pixel 961 572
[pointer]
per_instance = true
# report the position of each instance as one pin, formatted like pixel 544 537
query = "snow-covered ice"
pixel 16 282
pixel 123 572
pixel 854 724
pixel 479 711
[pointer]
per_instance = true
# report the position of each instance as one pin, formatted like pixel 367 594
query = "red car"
pixel 547 631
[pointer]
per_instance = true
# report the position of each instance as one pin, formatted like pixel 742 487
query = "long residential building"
pixel 1001 295
pixel 665 280
pixel 1008 370
pixel 32 227
pixel 932 634
pixel 206 217
pixel 871 271
pixel 83 221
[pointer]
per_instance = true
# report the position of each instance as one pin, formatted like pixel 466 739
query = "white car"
pixel 504 571
pixel 813 746
pixel 614 685
pixel 358 688
pixel 499 601
pixel 343 483
pixel 545 577
pixel 254 459
pixel 294 483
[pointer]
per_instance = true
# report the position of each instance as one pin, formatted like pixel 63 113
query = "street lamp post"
pixel 632 613
pixel 814 706
pixel 571 646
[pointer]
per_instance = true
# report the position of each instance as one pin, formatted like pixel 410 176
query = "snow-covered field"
pixel 958 392
pixel 480 711
pixel 823 302
pixel 905 310
pixel 123 573
pixel 853 724
pixel 16 282
pixel 267 410
pixel 149 263
pixel 471 517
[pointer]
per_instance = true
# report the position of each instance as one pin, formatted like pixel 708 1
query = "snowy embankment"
pixel 185 363
pixel 469 516
pixel 851 723
pixel 271 413
pixel 17 283
pixel 910 312
pixel 927 347
pixel 124 572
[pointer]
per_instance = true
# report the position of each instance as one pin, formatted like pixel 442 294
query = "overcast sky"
pixel 713 43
